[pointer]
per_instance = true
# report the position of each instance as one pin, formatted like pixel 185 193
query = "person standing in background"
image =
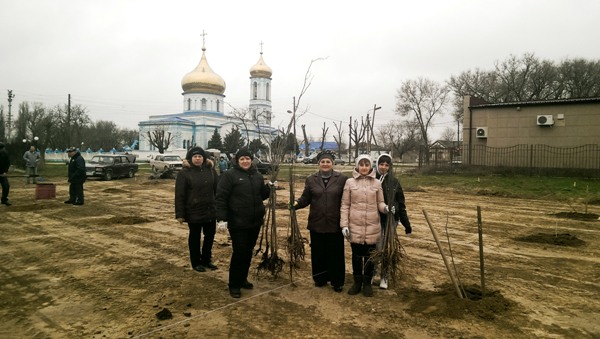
pixel 195 189
pixel 4 166
pixel 31 158
pixel 76 175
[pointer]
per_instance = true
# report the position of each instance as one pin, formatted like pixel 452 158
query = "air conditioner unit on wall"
pixel 545 120
pixel 481 132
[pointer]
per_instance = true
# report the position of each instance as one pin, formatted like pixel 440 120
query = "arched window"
pixel 254 90
pixel 204 104
pixel 218 106
pixel 268 92
pixel 189 104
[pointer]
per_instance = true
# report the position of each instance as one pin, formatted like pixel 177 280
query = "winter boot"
pixel 356 287
pixel 367 288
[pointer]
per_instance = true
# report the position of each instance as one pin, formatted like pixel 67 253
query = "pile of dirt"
pixel 577 216
pixel 445 303
pixel 560 239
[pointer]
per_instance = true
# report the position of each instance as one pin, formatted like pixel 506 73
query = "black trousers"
pixel 327 258
pixel 362 265
pixel 5 188
pixel 76 192
pixel 199 255
pixel 243 242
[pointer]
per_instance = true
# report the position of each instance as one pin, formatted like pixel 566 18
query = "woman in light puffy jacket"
pixel 361 203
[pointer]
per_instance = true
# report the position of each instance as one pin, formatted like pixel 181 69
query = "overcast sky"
pixel 124 60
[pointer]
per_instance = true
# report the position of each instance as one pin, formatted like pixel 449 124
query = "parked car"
pixel 311 159
pixel 109 166
pixel 263 166
pixel 164 162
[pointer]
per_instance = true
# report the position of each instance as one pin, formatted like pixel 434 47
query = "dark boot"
pixel 367 288
pixel 356 287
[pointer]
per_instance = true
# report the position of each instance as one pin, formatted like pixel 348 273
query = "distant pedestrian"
pixel 4 166
pixel 76 176
pixel 223 165
pixel 195 189
pixel 32 158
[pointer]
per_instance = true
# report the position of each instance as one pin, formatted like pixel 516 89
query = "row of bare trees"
pixel 63 126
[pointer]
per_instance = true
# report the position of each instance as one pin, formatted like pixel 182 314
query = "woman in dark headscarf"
pixel 195 189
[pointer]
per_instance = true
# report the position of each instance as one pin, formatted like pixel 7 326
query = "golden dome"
pixel 203 79
pixel 261 70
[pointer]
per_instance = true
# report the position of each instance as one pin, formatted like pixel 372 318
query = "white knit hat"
pixel 361 157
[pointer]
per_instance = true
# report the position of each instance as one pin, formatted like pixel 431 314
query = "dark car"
pixel 109 166
pixel 263 166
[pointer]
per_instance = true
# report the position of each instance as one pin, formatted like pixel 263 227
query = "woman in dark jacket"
pixel 195 189
pixel 323 192
pixel 240 196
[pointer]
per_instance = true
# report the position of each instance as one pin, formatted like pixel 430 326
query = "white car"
pixel 164 162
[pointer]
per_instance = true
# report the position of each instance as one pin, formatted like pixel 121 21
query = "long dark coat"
pixel 325 202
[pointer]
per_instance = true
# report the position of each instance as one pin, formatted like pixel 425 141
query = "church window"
pixel 254 90
pixel 204 104
pixel 189 104
pixel 218 106
pixel 268 92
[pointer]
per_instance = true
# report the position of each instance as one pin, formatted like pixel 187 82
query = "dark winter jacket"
pixel 393 191
pixel 77 169
pixel 195 189
pixel 240 196
pixel 4 161
pixel 325 202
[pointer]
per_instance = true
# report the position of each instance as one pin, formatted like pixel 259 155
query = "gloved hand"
pixel 388 209
pixel 273 184
pixel 292 206
pixel 408 230
pixel 180 220
pixel 221 226
pixel 346 232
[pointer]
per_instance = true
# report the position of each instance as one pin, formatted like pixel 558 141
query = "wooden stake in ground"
pixel 480 231
pixel 437 241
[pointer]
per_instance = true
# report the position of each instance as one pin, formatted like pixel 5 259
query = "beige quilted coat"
pixel 361 203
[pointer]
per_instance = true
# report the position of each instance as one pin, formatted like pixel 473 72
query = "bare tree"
pixel 160 138
pixel 422 99
pixel 338 138
pixel 357 134
pixel 323 136
pixel 448 134
pixel 306 143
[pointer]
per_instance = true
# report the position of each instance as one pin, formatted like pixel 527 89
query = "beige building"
pixel 550 133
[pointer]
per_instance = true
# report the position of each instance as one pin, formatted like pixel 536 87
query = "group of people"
pixel 355 209
pixel 76 173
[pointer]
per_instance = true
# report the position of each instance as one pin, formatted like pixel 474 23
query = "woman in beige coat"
pixel 362 201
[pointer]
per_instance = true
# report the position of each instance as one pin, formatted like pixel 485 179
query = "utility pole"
pixel 9 123
pixel 350 141
pixel 370 132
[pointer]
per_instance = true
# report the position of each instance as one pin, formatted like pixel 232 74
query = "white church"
pixel 204 109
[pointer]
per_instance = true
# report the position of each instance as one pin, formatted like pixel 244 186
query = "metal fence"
pixel 584 158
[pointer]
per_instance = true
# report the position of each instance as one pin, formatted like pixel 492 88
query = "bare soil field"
pixel 118 267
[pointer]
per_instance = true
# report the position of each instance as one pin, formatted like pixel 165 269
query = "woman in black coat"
pixel 195 189
pixel 240 196
pixel 323 192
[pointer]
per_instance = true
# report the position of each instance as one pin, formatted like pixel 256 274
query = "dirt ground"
pixel 118 267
